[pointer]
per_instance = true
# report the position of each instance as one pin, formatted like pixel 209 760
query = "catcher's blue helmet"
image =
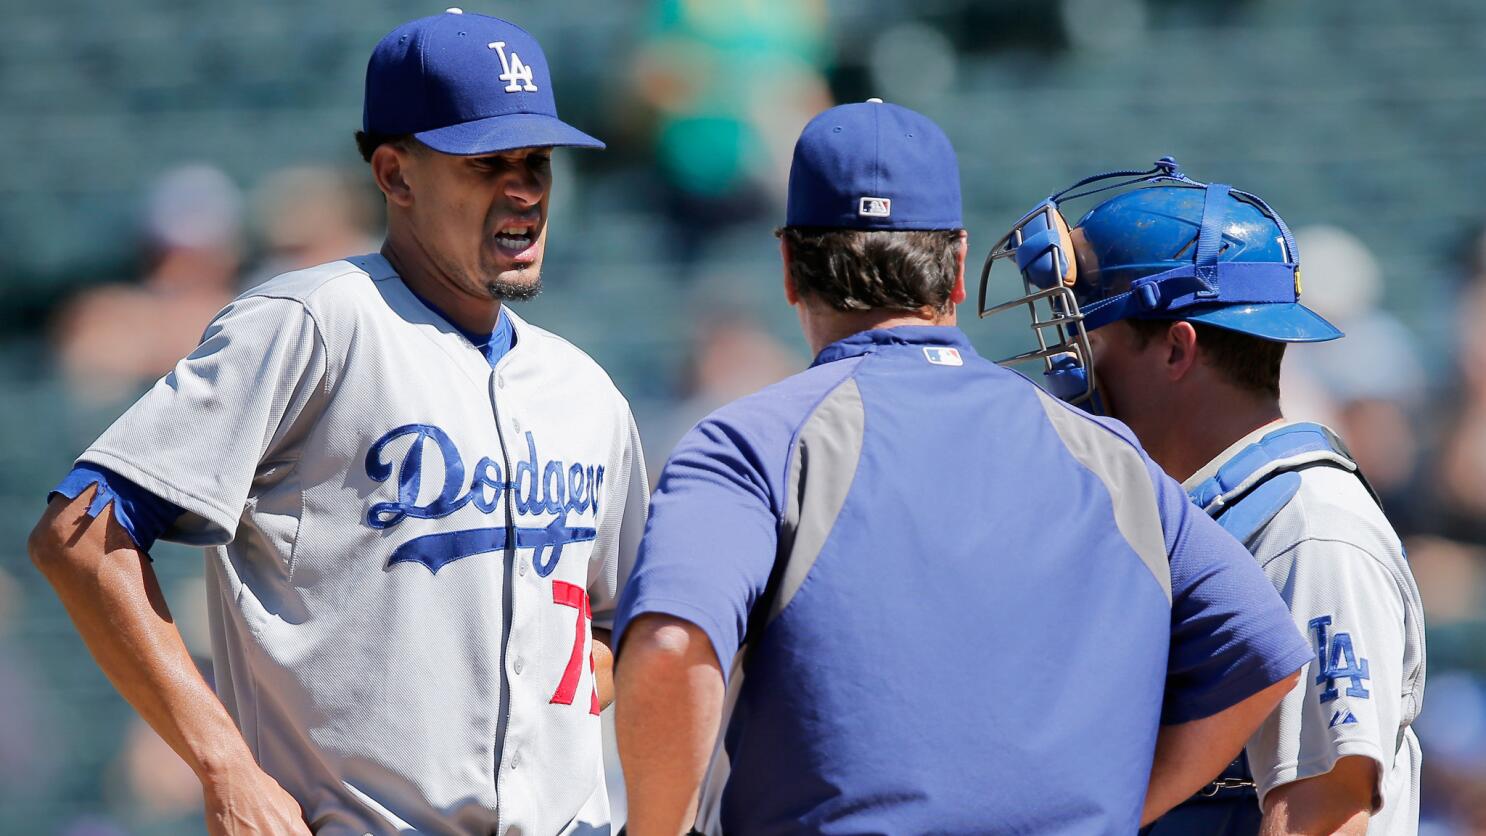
pixel 1157 231
pixel 1174 248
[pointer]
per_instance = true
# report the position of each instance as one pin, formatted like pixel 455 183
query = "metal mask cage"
pixel 1055 308
pixel 1052 309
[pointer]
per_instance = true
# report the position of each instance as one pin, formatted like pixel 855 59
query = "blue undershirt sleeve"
pixel 1231 634
pixel 710 540
pixel 142 514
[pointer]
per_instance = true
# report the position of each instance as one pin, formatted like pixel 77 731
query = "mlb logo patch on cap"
pixel 873 166
pixel 941 356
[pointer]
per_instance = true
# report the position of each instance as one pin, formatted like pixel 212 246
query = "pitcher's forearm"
pixel 114 600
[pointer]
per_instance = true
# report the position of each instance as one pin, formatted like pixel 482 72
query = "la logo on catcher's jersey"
pixel 1337 660
pixel 517 75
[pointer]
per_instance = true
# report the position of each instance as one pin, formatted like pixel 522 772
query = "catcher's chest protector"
pixel 1249 489
pixel 1244 496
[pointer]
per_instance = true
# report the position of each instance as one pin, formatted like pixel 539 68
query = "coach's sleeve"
pixel 619 529
pixel 206 430
pixel 710 541
pixel 1231 635
pixel 1350 701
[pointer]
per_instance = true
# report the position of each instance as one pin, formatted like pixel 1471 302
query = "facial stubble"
pixel 502 290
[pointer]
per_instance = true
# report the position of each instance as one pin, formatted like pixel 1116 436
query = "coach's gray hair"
pixel 859 270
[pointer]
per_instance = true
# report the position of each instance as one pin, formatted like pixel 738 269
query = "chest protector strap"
pixel 1243 496
pixel 1250 488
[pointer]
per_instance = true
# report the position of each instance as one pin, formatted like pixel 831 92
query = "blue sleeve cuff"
pixel 724 641
pixel 143 515
pixel 1236 687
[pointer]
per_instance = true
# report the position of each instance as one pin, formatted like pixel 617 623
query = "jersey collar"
pixel 869 342
pixel 1211 469
pixel 493 345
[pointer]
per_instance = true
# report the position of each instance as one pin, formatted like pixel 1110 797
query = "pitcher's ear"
pixel 390 168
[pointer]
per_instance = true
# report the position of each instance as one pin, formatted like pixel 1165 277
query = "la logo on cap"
pixel 517 75
pixel 875 207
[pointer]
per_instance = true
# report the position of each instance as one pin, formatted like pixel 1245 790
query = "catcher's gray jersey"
pixel 407 549
pixel 1341 569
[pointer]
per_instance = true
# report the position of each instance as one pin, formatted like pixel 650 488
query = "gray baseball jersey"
pixel 1341 569
pixel 407 548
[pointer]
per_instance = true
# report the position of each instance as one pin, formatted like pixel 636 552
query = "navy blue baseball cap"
pixel 874 166
pixel 465 84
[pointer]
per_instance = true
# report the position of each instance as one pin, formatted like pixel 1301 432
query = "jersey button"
pixel 521 568
pixel 519 665
pixel 515 759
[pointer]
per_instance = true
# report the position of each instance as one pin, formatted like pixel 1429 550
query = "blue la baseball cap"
pixel 465 84
pixel 874 166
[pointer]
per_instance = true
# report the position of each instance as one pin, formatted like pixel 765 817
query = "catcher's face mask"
pixel 1164 265
pixel 1042 245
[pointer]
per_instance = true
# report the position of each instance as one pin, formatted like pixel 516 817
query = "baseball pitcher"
pixel 410 497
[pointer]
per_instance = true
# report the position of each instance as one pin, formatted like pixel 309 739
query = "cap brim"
pixel 505 133
pixel 1287 322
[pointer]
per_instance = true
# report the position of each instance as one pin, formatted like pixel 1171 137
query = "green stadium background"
pixel 1364 115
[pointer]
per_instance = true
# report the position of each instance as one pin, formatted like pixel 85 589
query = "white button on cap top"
pixel 453 11
pixel 874 100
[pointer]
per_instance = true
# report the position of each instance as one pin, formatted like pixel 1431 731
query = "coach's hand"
pixel 245 801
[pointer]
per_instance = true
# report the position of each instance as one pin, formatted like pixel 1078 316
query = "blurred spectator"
pixel 925 48
pixel 729 84
pixel 92 826
pixel 731 356
pixel 1452 583
pixel 309 215
pixel 1369 385
pixel 1454 732
pixel 151 783
pixel 113 338
pixel 1460 469
pixel 28 756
